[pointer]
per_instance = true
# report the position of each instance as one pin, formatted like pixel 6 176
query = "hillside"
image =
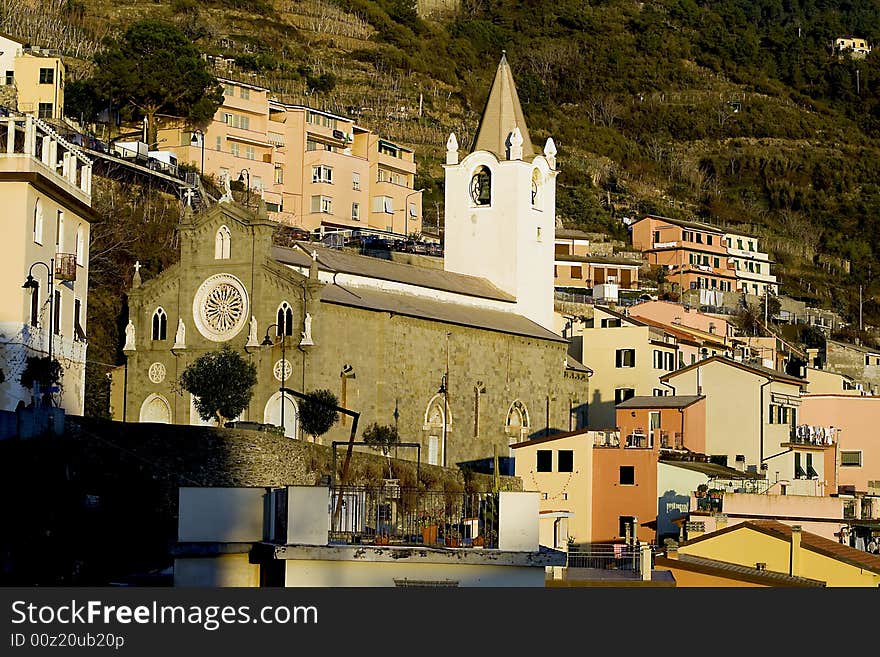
pixel 733 112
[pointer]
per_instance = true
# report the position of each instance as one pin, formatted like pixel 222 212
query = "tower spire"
pixel 501 115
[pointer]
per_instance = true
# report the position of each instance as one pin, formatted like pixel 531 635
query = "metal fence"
pixel 607 556
pixel 392 515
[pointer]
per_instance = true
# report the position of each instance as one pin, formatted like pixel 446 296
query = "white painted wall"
pixel 308 517
pixel 220 515
pixel 518 521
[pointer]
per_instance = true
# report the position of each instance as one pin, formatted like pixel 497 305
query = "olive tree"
pixel 222 382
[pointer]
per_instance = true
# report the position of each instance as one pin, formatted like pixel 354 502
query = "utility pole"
pixel 861 328
pixel 857 83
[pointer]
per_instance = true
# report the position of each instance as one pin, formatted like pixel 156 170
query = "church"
pixel 463 360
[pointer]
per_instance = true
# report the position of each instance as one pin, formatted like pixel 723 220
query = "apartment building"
pixel 312 168
pixel 694 254
pixel 855 47
pixel 45 190
pixel 627 357
pixel 32 78
pixel 751 265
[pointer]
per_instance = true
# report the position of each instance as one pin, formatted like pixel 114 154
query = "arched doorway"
pixel 517 425
pixel 436 428
pixel 155 409
pixel 272 414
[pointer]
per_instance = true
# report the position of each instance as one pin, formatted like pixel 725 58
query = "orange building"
pixel 625 474
pixel 695 254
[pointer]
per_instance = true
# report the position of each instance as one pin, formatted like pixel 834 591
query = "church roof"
pixel 351 263
pixel 441 311
pixel 501 115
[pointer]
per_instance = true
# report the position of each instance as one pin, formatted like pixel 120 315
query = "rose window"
pixel 220 307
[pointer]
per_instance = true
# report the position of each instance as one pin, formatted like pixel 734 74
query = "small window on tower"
pixel 481 186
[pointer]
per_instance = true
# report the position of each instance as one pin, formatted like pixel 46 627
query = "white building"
pixel 45 191
pixel 752 266
pixel 501 205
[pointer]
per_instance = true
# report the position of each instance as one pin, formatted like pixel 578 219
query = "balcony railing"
pixel 607 556
pixel 65 266
pixel 606 439
pixel 671 440
pixel 392 515
pixel 805 434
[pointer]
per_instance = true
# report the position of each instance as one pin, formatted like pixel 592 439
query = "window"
pixel 716 263
pixel 387 149
pixel 610 323
pixel 622 394
pixel 235 149
pixel 322 174
pixel 80 246
pixel 799 472
pixel 279 175
pixel 412 210
pixel 625 358
pixel 228 90
pixel 709 240
pixel 245 93
pixel 45 111
pixel 356 181
pixel 322 204
pixel 311 145
pixel 35 306
pixel 249 152
pixel 56 320
pixel 669 361
pixel 284 318
pixel 10 77
pixel 238 121
pixel 47 76
pixel 219 143
pixel 544 460
pixel 59 231
pixel 659 392
pixel 383 204
pixel 38 222
pixel 751 246
pixel 481 186
pixel 577 272
pixel 222 243
pixel 78 332
pixel 851 459
pixel 627 475
pixel 355 212
pixel 258 183
pixel 160 324
pixel 811 472
pixel 565 460
pixel 626 527
pixel 699 237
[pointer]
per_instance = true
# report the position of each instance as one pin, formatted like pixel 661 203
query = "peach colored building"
pixel 695 254
pixel 668 422
pixel 856 418
pixel 588 270
pixel 312 168
pixel 35 75
pixel 676 314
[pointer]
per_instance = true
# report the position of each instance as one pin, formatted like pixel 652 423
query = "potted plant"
pixel 701 490
pixel 429 521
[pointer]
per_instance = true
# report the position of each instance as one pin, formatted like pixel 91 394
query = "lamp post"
pixel 267 342
pixel 406 211
pixel 201 140
pixel 32 285
pixel 444 390
pixel 245 176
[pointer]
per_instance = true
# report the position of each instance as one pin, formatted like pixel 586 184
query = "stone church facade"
pixel 462 364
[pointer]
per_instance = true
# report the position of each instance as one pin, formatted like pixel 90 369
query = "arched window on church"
pixel 222 244
pixel 80 246
pixel 160 324
pixel 38 222
pixel 536 188
pixel 517 425
pixel 284 319
pixel 481 186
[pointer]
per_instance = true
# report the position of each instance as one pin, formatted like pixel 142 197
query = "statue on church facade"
pixel 227 188
pixel 307 333
pixel 180 336
pixel 252 333
pixel 129 337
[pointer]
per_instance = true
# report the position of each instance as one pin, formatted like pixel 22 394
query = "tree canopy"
pixel 317 412
pixel 222 382
pixel 156 68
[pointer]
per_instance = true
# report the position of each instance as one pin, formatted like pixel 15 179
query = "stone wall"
pixel 100 504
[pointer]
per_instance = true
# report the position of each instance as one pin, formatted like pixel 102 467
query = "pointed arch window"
pixel 284 319
pixel 160 324
pixel 38 222
pixel 536 188
pixel 222 244
pixel 481 186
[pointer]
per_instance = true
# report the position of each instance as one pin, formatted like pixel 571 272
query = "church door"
pixel 156 409
pixel 272 414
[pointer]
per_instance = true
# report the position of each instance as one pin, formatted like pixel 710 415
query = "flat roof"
pixel 667 401
pixel 748 367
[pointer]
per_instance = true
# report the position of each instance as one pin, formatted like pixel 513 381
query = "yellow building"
pixel 627 357
pixel 45 190
pixel 312 168
pixel 769 545
pixel 34 78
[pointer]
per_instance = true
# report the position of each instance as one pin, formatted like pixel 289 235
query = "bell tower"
pixel 500 205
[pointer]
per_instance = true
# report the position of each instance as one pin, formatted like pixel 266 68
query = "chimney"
pixel 795 564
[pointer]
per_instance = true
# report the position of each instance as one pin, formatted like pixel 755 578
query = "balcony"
pixel 638 439
pixel 673 440
pixel 628 561
pixel 805 435
pixel 603 439
pixel 65 266
pixel 392 515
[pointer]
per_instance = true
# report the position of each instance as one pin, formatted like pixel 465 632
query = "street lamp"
pixel 444 390
pixel 267 342
pixel 195 142
pixel 244 176
pixel 406 211
pixel 31 284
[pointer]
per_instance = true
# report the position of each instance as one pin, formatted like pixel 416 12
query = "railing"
pixel 607 556
pixel 638 440
pixel 392 515
pixel 606 439
pixel 675 441
pixel 805 434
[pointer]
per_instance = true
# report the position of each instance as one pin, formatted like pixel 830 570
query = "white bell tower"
pixel 500 205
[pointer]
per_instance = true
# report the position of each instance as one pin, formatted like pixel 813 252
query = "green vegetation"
pixel 317 412
pixel 221 383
